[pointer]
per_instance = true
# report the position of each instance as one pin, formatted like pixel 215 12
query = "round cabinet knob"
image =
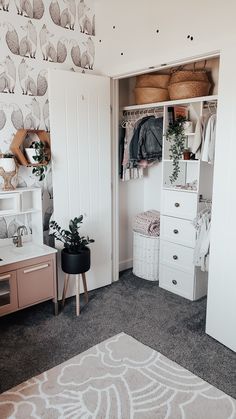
pixel 175 257
pixel 177 204
pixel 174 282
pixel 176 231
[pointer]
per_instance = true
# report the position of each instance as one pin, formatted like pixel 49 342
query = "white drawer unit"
pixel 179 231
pixel 179 282
pixel 177 256
pixel 179 204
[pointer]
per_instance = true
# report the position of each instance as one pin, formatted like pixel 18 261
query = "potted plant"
pixel 75 256
pixel 187 154
pixel 8 170
pixel 37 154
pixel 175 134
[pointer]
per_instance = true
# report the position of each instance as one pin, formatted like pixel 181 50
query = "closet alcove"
pixel 138 195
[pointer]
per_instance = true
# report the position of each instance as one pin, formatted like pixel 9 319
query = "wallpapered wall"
pixel 36 35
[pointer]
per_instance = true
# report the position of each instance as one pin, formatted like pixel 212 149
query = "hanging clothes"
pixel 204 139
pixel 150 140
pixel 129 172
pixel 202 224
pixel 146 143
pixel 208 150
pixel 121 149
pixel 134 142
pixel 199 136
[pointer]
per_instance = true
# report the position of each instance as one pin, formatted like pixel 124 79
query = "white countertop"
pixel 12 254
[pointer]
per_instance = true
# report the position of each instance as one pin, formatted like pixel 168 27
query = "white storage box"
pixel 146 256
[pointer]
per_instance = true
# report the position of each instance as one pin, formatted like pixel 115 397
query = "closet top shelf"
pixel 171 103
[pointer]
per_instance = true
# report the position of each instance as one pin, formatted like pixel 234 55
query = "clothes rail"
pixel 209 104
pixel 144 112
pixel 206 200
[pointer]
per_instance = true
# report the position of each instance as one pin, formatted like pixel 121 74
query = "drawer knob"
pixel 176 231
pixel 175 257
pixel 174 282
pixel 177 204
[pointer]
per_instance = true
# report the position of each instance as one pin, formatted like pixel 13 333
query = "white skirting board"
pixel 125 264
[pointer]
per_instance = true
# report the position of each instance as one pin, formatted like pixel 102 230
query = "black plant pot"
pixel 75 263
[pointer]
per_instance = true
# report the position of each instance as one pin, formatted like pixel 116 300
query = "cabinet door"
pixel 8 293
pixel 81 149
pixel 35 283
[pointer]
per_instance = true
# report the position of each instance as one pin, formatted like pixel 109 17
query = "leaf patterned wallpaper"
pixel 36 35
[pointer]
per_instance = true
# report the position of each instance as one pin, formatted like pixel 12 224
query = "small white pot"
pixel 30 153
pixel 8 164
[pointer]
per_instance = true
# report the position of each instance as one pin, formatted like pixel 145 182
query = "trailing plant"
pixel 71 238
pixel 175 134
pixel 41 157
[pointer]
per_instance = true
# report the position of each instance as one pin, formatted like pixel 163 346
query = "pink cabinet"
pixel 27 283
pixel 8 292
pixel 35 283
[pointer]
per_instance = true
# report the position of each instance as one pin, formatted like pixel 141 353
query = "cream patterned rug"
pixel 117 379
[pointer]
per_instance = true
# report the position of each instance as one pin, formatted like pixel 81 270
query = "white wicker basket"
pixel 146 256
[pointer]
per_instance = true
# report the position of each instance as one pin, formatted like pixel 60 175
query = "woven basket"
pixel 189 75
pixel 146 257
pixel 153 80
pixel 145 95
pixel 188 89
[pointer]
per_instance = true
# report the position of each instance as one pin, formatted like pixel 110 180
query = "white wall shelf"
pixel 22 201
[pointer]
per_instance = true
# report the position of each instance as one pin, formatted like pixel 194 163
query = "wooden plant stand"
pixel 77 279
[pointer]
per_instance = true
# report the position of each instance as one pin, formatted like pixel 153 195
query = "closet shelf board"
pixel 181 161
pixel 180 190
pixel 171 103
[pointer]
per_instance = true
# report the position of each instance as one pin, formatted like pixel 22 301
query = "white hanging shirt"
pixel 208 151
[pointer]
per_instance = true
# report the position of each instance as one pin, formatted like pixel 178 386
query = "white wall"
pixel 152 188
pixel 131 198
pixel 212 24
pixel 30 109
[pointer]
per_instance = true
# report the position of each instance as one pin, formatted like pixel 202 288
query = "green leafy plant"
pixel 175 134
pixel 71 238
pixel 41 157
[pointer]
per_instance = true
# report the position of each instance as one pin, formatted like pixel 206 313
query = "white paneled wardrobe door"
pixel 80 138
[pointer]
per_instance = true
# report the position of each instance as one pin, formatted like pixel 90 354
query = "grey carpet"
pixel 33 340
